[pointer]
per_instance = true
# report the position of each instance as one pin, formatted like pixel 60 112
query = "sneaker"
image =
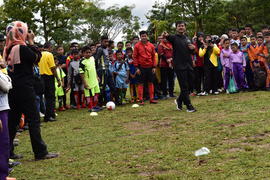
pixel 26 127
pixel 204 94
pixel 163 98
pixel 192 94
pixel 96 109
pixel 67 107
pixel 153 101
pixel 16 156
pixel 190 108
pixel 10 170
pixel 12 163
pixel 47 156
pixel 178 105
pixel 78 107
pixel 141 103
pixel 227 91
pixel 83 106
pixel 199 94
pixel 216 93
pixel 41 115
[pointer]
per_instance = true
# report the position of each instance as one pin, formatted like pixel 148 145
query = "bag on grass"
pixel 232 86
pixel 259 77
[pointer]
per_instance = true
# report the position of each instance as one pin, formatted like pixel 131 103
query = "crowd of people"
pixel 92 75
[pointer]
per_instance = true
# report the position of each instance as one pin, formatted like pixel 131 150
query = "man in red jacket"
pixel 145 62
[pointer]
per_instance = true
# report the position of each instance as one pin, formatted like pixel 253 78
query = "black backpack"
pixel 259 77
pixel 77 78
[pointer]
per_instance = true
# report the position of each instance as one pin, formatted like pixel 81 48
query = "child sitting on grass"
pixel 121 73
pixel 90 79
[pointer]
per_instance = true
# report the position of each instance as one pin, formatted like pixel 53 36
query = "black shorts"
pixel 146 76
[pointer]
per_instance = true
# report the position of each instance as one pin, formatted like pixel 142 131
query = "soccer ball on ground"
pixel 110 105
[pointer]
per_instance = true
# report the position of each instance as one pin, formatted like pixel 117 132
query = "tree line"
pixel 66 20
pixel 209 16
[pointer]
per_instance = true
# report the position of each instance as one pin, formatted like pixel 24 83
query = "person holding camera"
pixel 210 52
pixel 21 58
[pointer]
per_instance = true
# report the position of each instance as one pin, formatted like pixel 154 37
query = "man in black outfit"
pixel 182 50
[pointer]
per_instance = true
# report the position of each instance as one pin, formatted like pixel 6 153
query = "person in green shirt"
pixel 59 90
pixel 90 79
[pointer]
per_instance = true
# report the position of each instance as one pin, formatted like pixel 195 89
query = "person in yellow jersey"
pixel 48 73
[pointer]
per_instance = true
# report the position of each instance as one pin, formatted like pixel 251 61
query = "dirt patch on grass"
pixel 233 125
pixel 235 150
pixel 149 126
pixel 154 173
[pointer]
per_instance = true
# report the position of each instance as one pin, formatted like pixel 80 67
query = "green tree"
pixel 50 18
pixel 111 21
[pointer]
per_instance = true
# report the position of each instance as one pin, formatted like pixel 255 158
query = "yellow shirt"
pixel 213 56
pixel 46 63
pixel 5 69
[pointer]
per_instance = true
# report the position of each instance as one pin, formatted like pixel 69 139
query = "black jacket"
pixel 181 53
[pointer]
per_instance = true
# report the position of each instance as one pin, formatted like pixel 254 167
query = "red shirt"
pixel 165 51
pixel 144 55
pixel 199 60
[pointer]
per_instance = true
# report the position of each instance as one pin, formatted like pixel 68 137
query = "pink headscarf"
pixel 16 33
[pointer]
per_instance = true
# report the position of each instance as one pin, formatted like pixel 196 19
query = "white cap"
pixel 224 36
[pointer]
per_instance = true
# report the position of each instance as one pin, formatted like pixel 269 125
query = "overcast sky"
pixel 141 6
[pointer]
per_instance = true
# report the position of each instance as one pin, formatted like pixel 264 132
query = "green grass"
pixel 158 142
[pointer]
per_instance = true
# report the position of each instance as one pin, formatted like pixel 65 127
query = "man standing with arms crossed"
pixel 182 50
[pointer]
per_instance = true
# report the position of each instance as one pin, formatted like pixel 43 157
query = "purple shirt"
pixel 225 61
pixel 238 57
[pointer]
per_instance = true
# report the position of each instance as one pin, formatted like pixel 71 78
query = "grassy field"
pixel 158 142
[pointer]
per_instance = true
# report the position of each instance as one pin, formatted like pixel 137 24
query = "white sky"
pixel 141 6
pixel 140 10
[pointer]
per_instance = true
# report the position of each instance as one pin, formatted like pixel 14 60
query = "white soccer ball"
pixel 110 105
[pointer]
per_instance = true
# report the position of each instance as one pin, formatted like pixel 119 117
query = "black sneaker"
pixel 12 164
pixel 16 156
pixel 47 156
pixel 190 108
pixel 178 105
